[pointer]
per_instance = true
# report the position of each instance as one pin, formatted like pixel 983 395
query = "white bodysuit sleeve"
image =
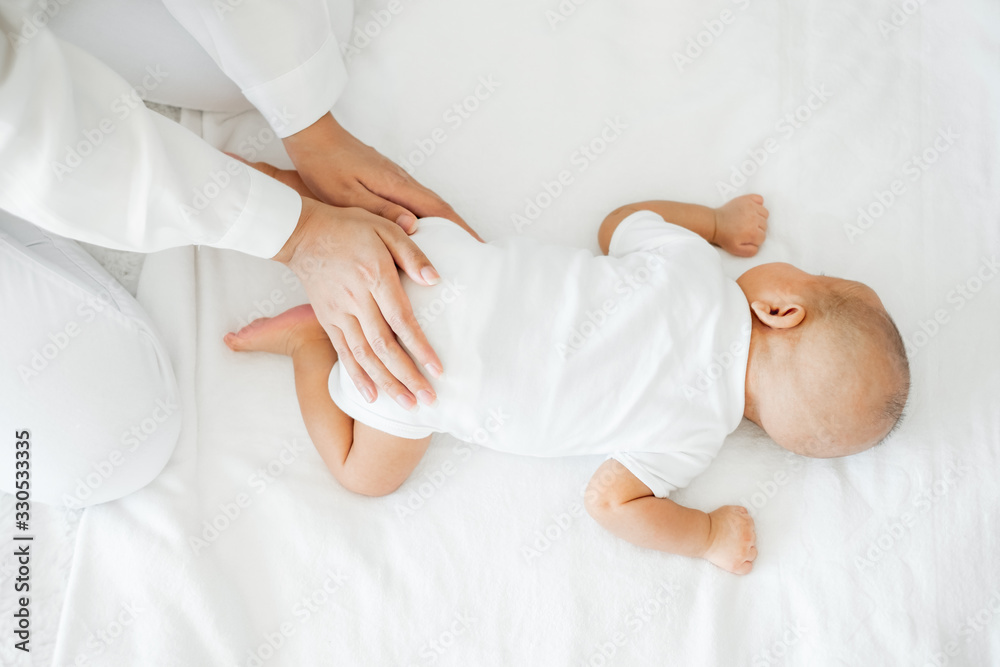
pixel 666 472
pixel 82 157
pixel 648 231
pixel 281 53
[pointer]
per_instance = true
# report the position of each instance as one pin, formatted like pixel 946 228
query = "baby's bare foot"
pixel 281 334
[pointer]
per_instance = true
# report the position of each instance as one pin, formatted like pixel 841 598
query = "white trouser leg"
pixel 131 35
pixel 83 371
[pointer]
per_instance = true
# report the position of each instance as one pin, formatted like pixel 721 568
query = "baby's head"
pixel 828 374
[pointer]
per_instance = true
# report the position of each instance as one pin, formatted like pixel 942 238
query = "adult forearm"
pixel 87 160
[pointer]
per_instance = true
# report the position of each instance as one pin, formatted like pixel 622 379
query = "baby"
pixel 648 354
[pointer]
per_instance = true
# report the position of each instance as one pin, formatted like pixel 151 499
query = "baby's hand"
pixel 731 540
pixel 740 225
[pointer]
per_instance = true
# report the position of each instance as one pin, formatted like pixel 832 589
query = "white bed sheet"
pixel 483 559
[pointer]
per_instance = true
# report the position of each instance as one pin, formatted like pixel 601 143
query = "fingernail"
pixel 406 401
pixel 426 397
pixel 434 370
pixel 367 393
pixel 430 276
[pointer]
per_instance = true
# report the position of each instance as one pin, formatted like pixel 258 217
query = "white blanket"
pixel 871 128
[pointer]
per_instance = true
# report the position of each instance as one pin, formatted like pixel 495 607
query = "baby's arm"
pixel 738 226
pixel 617 500
pixel 364 460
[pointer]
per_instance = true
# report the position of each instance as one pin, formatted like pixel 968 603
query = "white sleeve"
pixel 281 53
pixel 665 472
pixel 81 156
pixel 645 230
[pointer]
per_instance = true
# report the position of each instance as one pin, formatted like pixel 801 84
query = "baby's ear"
pixel 779 316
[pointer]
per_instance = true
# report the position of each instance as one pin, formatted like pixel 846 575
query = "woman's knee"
pixel 85 375
pixel 85 452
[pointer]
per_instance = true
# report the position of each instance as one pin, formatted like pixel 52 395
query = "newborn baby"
pixel 649 355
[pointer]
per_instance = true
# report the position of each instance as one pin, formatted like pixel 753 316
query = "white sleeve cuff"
pixel 269 217
pixel 297 99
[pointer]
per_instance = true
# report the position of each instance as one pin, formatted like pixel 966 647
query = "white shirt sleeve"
pixel 81 156
pixel 281 53
pixel 645 230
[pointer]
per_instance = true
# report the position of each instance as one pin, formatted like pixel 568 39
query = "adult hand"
pixel 346 259
pixel 342 171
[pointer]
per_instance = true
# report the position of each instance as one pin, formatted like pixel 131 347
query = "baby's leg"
pixel 362 459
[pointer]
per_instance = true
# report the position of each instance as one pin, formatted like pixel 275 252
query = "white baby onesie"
pixel 551 351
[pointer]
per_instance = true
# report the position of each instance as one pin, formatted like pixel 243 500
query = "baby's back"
pixel 550 351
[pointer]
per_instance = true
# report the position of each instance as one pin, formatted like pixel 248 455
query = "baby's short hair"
pixel 857 322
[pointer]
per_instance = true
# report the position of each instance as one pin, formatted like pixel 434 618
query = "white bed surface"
pixel 484 559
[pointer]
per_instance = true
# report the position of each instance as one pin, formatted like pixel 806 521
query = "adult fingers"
pixel 389 210
pixel 408 256
pixel 354 370
pixel 378 325
pixel 416 197
pixel 367 357
pixel 393 303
